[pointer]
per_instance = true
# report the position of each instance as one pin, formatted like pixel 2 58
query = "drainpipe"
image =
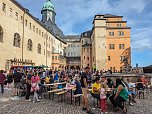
pixel 46 48
pixel 23 36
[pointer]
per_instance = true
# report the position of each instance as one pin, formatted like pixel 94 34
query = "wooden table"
pixel 60 83
pixel 71 88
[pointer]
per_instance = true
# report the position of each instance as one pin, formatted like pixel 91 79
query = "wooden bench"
pixel 61 94
pixel 53 91
pixel 77 96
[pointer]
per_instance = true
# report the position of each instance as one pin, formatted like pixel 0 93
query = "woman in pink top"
pixel 35 86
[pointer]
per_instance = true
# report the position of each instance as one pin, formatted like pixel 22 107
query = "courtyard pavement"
pixel 46 106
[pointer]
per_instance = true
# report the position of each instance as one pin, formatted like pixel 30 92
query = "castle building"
pixel 25 40
pixel 73 52
pixel 28 41
pixel 108 46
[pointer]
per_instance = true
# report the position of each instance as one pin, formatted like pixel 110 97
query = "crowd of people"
pixel 33 81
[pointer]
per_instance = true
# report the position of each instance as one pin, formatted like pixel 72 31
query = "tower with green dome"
pixel 48 12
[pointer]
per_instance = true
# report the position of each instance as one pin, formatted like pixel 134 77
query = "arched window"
pixel 29 45
pixel 39 48
pixel 1 34
pixel 17 40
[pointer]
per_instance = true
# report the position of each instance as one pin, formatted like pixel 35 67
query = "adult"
pixel 35 80
pixel 78 86
pixel 121 95
pixel 17 82
pixel 96 90
pixel 9 80
pixel 56 77
pixel 85 91
pixel 110 83
pixel 2 79
pixel 131 91
pixel 28 86
pixel 144 80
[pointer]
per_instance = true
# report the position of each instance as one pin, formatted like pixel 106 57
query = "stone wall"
pixel 133 78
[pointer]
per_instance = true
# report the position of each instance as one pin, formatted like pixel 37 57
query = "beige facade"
pixel 25 40
pixel 86 50
pixel 73 51
pixel 98 40
pixel 107 44
pixel 110 43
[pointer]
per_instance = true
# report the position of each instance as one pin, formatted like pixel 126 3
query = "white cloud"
pixel 72 12
pixel 142 39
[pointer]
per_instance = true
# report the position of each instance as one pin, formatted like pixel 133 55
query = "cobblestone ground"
pixel 46 106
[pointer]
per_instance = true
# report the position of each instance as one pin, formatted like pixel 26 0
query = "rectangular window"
pixel 121 46
pixel 52 57
pixel 16 16
pixel 118 25
pixel 40 32
pixel 44 43
pixel 84 57
pixel 71 54
pixel 68 53
pixel 33 28
pixel 44 51
pixel 11 12
pixel 88 58
pixel 108 58
pixel 37 30
pixel 120 33
pixel 21 19
pixel 30 25
pixel 111 46
pixel 111 33
pixel 4 7
pixel 25 22
pixel 56 58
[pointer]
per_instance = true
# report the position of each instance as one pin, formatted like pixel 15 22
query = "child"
pixel 103 99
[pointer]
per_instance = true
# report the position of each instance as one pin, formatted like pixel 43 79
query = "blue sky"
pixel 75 17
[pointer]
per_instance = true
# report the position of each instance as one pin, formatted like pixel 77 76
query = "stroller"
pixel 22 88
